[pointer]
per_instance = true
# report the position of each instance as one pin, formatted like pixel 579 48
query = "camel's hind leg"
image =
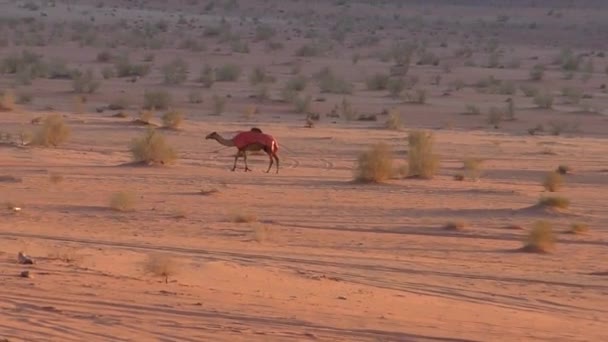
pixel 277 160
pixel 236 157
pixel 270 163
pixel 245 158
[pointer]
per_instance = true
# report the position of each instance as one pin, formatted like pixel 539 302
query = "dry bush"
pixel 195 96
pixel 161 265
pixel 378 81
pixel 157 100
pixel 260 75
pixel 529 90
pixel 541 239
pixel 55 178
pixel 554 202
pixel 23 98
pixel 417 97
pixel 394 120
pixel 85 82
pixel 537 72
pixel 456 226
pixel 172 119
pixel 175 72
pixel 52 132
pixel 123 201
pixel 261 233
pixel 297 83
pixel 422 162
pixel 471 110
pixel 544 100
pixel 578 228
pixel 553 181
pixel 145 116
pixel 7 101
pixel 242 216
pixel 495 117
pixel 219 104
pixel 119 103
pixel 473 167
pixel 228 73
pixel 151 148
pixel 207 78
pixel 302 104
pixel 563 169
pixel 374 165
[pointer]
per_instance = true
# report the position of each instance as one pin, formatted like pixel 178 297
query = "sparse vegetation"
pixel 157 100
pixel 553 181
pixel 422 162
pixel 151 148
pixel 540 239
pixel 161 265
pixel 172 119
pixel 218 104
pixel 473 168
pixel 563 169
pixel 122 201
pixel 554 202
pixel 374 165
pixel 578 228
pixel 243 216
pixel 456 226
pixel 52 132
pixel 228 73
pixel 394 120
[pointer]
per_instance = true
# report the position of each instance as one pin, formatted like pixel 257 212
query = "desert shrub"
pixel 557 127
pixel 122 201
pixel 554 202
pixel 161 265
pixel 119 103
pixel 394 120
pixel 243 216
pixel 262 92
pixel 330 83
pixel 157 99
pixel 151 148
pixel 456 226
pixel 563 169
pixel 528 90
pixel 108 72
pixel 308 50
pixel 374 165
pixel 346 110
pixel 218 104
pixel 553 181
pixel 471 109
pixel 264 32
pixel 378 81
pixel 544 100
pixel 23 98
pixel 124 68
pixel 396 86
pixel 417 97
pixel 7 101
pixel 473 167
pixel 195 96
pixel 302 104
pixel 228 73
pixel 104 56
pixel 206 77
pixel 172 119
pixel 422 162
pixel 85 82
pixel 495 117
pixel 537 72
pixel 175 72
pixel 540 239
pixel 572 95
pixel 52 132
pixel 296 83
pixel 260 75
pixel 578 228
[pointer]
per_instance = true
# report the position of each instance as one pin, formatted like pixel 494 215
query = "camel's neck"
pixel 223 141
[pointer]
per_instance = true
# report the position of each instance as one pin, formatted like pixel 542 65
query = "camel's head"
pixel 211 135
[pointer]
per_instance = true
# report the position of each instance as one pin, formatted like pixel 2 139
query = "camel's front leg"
pixel 270 164
pixel 245 158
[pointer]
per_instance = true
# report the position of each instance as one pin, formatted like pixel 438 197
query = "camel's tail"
pixel 275 146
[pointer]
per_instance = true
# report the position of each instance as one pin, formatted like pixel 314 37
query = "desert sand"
pixel 195 252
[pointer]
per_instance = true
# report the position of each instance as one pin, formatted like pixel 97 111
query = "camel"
pixel 252 140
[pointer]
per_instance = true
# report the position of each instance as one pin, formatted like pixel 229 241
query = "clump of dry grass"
pixel 578 228
pixel 243 216
pixel 52 132
pixel 161 265
pixel 157 100
pixel 172 119
pixel 394 120
pixel 374 165
pixel 422 162
pixel 553 181
pixel 563 169
pixel 456 226
pixel 122 201
pixel 541 239
pixel 554 202
pixel 152 148
pixel 473 168
pixel 55 178
pixel 261 233
pixel 7 101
